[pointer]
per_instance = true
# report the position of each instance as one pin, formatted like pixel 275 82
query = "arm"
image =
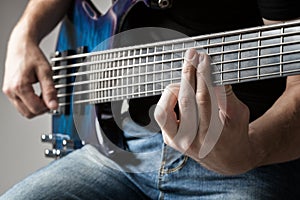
pixel 276 134
pixel 26 64
pixel 213 126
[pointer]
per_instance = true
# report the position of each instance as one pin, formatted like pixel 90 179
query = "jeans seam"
pixel 180 166
pixel 161 172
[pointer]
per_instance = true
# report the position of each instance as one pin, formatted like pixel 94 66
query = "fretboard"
pixel 145 70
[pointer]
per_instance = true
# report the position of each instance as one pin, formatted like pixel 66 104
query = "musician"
pixel 251 149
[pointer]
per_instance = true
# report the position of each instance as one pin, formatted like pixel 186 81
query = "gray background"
pixel 21 151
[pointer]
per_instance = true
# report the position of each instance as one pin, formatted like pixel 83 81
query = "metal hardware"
pixel 161 4
pixel 47 138
pixel 54 112
pixel 62 145
pixel 164 3
pixel 56 153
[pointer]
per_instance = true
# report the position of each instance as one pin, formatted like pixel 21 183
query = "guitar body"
pixel 83 29
pixel 137 71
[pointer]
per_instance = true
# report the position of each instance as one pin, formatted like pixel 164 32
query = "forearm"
pixel 25 62
pixel 276 134
pixel 39 18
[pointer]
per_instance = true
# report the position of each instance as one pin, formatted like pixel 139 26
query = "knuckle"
pixel 245 110
pixel 188 68
pixel 20 88
pixel 169 87
pixel 159 114
pixel 46 70
pixel 185 102
pixel 172 89
pixel 6 90
pixel 28 115
pixel 202 96
pixel 37 109
pixel 168 141
pixel 50 92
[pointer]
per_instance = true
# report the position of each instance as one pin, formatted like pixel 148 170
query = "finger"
pixel 22 95
pixel 187 103
pixel 22 109
pixel 164 111
pixel 49 94
pixel 30 100
pixel 210 127
pixel 203 92
pixel 229 104
pixel 223 93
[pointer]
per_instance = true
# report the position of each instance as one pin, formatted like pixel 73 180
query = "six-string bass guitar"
pixel 88 75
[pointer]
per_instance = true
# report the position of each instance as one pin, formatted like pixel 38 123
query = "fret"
pixel 270 51
pixel 259 55
pixel 201 42
pixel 247 59
pixel 105 78
pixel 109 81
pixel 149 77
pixel 165 47
pixel 230 55
pixel 102 76
pixel 137 52
pixel 189 44
pixel 239 58
pixel 142 61
pixel 172 67
pixel 124 80
pixel 93 76
pixel 215 49
pixel 96 76
pixel 290 47
pixel 114 82
pixel 222 60
pixel 281 50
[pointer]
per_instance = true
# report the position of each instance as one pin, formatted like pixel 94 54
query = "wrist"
pixel 260 151
pixel 24 33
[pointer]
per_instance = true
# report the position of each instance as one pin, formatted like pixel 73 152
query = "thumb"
pixel 49 94
pixel 228 103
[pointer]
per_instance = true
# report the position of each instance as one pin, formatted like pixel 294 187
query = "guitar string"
pixel 149 73
pixel 120 67
pixel 138 94
pixel 271 27
pixel 215 45
pixel 157 62
pixel 162 83
pixel 180 58
pixel 153 72
pixel 133 94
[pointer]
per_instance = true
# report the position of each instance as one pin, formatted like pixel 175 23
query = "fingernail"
pixel 52 104
pixel 190 54
pixel 201 57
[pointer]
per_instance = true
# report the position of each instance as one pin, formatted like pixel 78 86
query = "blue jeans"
pixel 88 174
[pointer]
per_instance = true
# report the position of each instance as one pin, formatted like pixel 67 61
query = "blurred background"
pixel 21 150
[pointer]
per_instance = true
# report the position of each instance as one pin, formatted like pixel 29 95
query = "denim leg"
pixel 87 174
pixel 186 179
pixel 80 175
pixel 179 177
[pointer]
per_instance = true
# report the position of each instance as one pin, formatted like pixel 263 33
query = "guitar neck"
pixel 145 70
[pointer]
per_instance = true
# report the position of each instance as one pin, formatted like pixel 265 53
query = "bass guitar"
pixel 89 72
